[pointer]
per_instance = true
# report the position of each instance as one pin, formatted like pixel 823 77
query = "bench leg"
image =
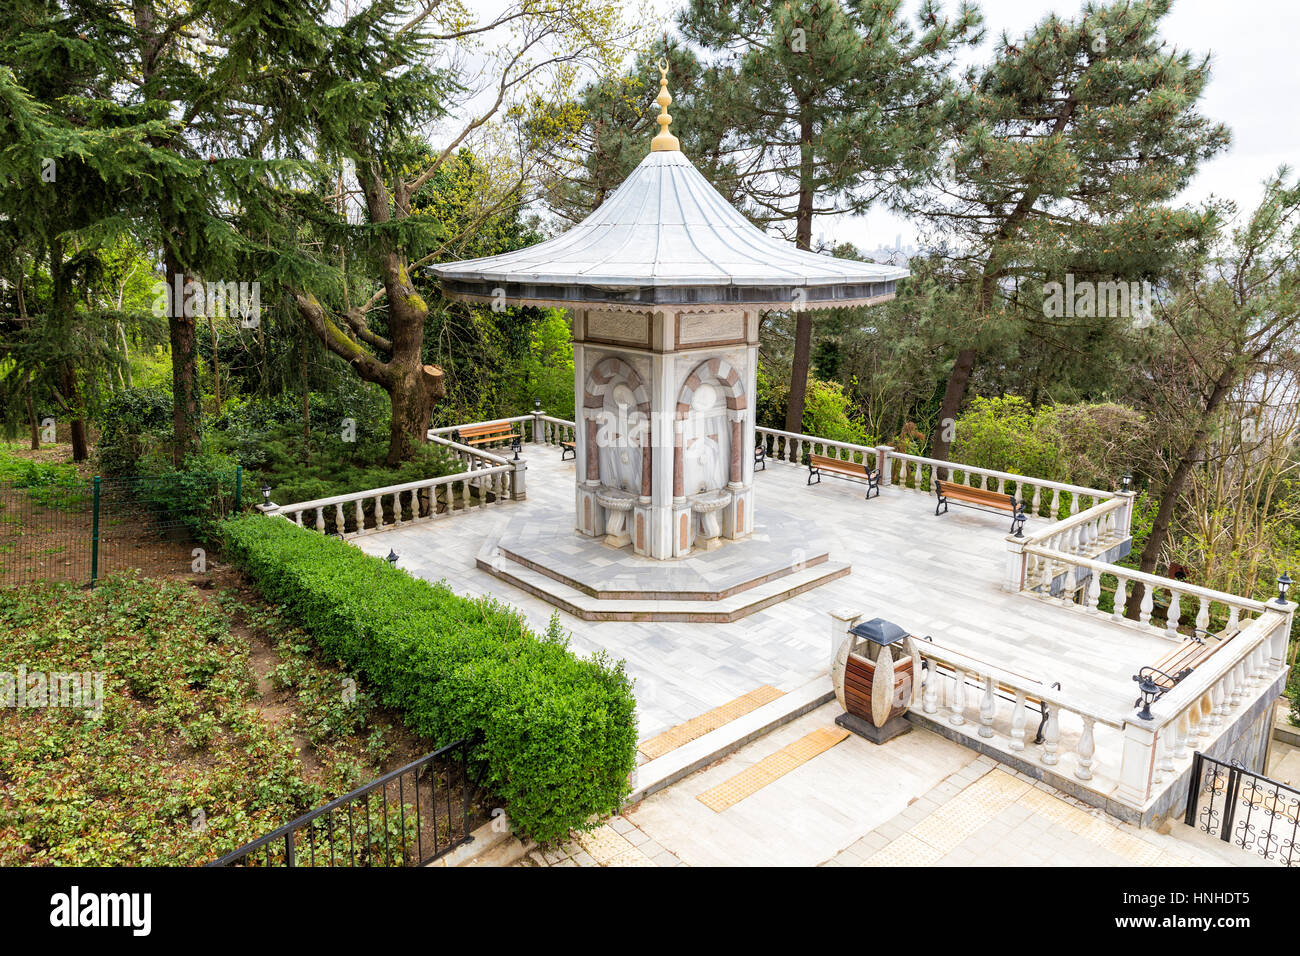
pixel 941 503
pixel 811 473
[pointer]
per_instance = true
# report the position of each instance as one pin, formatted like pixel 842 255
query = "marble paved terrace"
pixel 936 576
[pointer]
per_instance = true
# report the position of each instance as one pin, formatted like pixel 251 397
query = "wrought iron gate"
pixel 1244 808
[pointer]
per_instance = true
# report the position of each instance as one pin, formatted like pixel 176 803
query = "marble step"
pixel 722 611
pixel 634 594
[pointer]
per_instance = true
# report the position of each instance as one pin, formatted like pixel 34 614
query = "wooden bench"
pixel 1182 660
pixel 951 491
pixel 491 434
pixel 568 450
pixel 820 464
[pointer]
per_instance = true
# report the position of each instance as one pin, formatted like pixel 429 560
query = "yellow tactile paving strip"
pixel 947 827
pixel 699 726
pixel 751 780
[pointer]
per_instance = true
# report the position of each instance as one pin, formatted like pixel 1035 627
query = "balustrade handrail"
pixel 416 485
pixel 1195 685
pixel 1094 493
pixel 1040 691
pixel 556 421
pixel 446 429
pixel 1071 521
pixel 1155 580
pixel 471 450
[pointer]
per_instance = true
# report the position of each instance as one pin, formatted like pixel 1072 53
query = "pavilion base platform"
pixel 588 579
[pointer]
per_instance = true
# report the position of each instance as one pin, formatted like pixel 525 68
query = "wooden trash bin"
pixel 872 675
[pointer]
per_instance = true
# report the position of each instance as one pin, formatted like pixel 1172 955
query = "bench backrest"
pixel 474 431
pixel 957 490
pixel 821 461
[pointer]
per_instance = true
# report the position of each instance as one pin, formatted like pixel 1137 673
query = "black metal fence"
pixel 81 531
pixel 400 819
pixel 1245 808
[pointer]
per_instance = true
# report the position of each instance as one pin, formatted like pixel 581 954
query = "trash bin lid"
pixel 879 631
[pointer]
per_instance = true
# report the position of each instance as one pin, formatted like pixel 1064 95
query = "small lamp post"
pixel 1125 481
pixel 1283 583
pixel 1150 690
pixel 266 494
pixel 392 558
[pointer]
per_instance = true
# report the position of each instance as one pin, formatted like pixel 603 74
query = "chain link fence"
pixel 82 531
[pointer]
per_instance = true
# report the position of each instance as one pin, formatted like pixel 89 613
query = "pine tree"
pixel 832 105
pixel 1064 150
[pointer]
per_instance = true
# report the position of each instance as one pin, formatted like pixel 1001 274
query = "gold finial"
pixel 664 140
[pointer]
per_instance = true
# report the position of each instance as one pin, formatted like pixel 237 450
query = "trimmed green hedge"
pixel 557 733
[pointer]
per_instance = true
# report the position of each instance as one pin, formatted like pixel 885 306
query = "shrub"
pixel 555 735
pixel 133 422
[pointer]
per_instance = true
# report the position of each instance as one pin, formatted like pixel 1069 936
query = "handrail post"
pixel 882 463
pixel 1014 579
pixel 517 490
pixel 1137 763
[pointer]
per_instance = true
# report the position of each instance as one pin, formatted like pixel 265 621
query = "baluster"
pixel 1148 602
pixel 1168 736
pixel 1038 500
pixel 1203 616
pixel 1234 618
pixel 1051 735
pixel 1094 592
pixel 1174 613
pixel 1083 770
pixel 1194 728
pixel 958 704
pixel 1259 665
pixel 1121 598
pixel 379 511
pixel 1217 708
pixel 1182 732
pixel 338 517
pixel 320 519
pixel 1207 713
pixel 1164 761
pixel 360 515
pixel 988 706
pixel 297 517
pixel 930 700
pixel 1074 504
pixel 1018 722
pixel 1238 685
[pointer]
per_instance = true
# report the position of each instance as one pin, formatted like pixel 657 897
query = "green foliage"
pixel 556 735
pixel 199 494
pixel 1001 433
pixel 176 736
pixel 134 421
pixel 47 483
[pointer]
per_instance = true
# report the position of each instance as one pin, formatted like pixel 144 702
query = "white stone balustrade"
pixel 1229 611
pixel 1039 495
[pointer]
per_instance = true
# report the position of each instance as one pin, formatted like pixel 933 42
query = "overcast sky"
pixel 1255 89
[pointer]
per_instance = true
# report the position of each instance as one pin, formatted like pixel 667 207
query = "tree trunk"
pixel 414 393
pixel 953 396
pixel 77 427
pixel 803 317
pixel 1173 491
pixel 186 413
